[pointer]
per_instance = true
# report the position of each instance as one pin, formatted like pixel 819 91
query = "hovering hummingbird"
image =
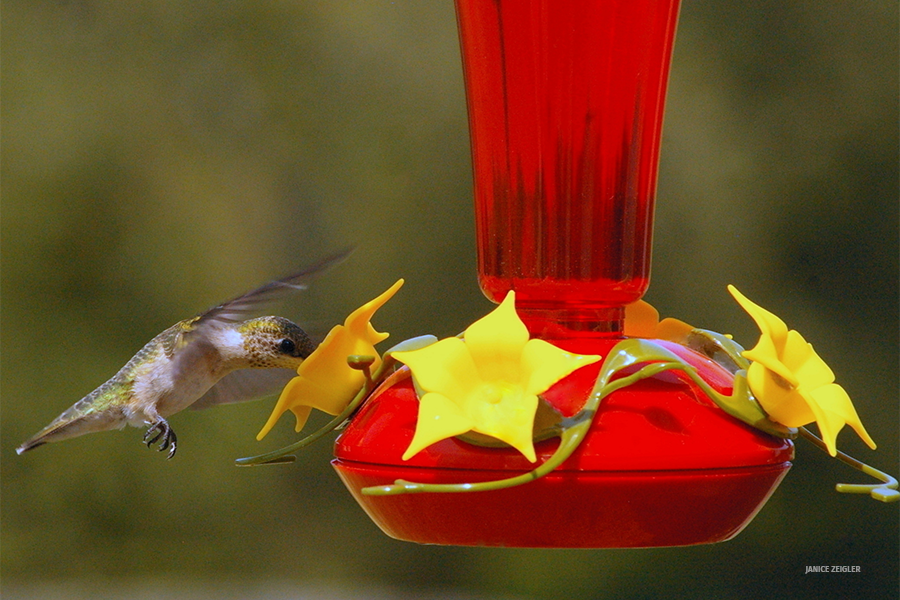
pixel 219 356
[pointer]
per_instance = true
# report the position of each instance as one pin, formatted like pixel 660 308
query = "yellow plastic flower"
pixel 642 321
pixel 325 380
pixel 792 383
pixel 487 382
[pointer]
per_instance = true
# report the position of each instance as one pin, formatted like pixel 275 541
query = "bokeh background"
pixel 161 156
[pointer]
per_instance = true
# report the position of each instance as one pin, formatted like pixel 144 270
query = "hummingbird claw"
pixel 164 434
pixel 148 440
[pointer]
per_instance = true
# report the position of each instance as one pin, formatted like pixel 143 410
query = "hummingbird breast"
pixel 164 382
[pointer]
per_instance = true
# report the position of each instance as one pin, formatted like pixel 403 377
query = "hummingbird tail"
pixel 32 443
pixel 65 426
pixel 54 432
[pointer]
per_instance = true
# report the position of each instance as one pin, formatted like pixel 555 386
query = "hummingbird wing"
pixel 250 304
pixel 243 385
pixel 191 339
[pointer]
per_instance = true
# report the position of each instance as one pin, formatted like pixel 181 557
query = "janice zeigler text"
pixel 832 569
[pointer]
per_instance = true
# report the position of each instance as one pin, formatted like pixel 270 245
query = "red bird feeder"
pixel 565 105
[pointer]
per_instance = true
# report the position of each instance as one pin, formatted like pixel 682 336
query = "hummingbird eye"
pixel 287 346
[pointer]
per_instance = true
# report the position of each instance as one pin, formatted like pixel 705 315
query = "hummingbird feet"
pixel 165 435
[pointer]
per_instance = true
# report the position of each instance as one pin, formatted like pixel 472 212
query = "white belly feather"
pixel 167 385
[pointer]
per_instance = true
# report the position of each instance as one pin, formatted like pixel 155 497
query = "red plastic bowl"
pixel 661 466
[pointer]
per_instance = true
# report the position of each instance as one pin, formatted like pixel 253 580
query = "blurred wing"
pixel 188 349
pixel 251 303
pixel 244 385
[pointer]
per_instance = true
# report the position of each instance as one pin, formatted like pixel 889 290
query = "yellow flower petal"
pixel 496 341
pixel 767 322
pixel 445 367
pixel 301 413
pixel 808 368
pixel 642 321
pixel 781 401
pixel 673 330
pixel 487 382
pixel 547 364
pixel 833 409
pixel 765 353
pixel 507 413
pixel 792 383
pixel 324 380
pixel 439 418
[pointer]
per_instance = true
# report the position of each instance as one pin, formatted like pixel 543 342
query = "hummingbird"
pixel 217 357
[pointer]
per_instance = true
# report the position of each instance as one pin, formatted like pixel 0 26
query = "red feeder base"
pixel 569 509
pixel 661 466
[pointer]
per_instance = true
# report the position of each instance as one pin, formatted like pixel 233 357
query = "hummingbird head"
pixel 275 342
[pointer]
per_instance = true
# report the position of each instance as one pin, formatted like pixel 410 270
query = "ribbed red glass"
pixel 565 104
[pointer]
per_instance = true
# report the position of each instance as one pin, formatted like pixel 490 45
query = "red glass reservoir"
pixel 565 107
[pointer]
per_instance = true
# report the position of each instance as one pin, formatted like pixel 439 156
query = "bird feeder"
pixel 570 416
pixel 565 106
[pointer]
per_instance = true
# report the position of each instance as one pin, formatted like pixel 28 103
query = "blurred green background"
pixel 160 156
